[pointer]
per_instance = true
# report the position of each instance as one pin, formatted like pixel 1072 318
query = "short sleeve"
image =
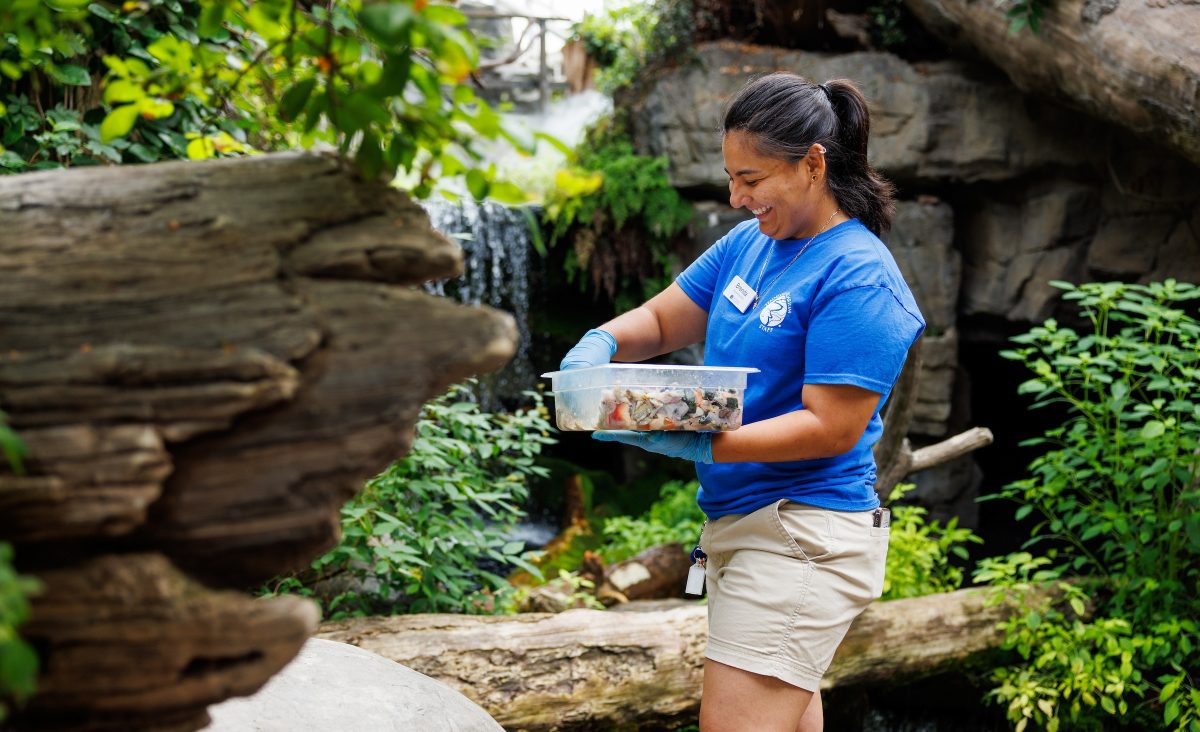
pixel 860 337
pixel 699 281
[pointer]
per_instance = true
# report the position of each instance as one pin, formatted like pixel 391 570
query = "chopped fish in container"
pixel 649 397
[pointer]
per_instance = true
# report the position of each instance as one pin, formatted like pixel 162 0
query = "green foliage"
pixel 626 40
pixel 1023 13
pixel 383 82
pixel 621 214
pixel 581 593
pixel 919 551
pixel 11 445
pixel 674 517
pixel 1117 497
pixel 18 662
pixel 887 26
pixel 414 538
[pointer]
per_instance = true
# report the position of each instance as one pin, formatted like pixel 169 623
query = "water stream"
pixel 496 243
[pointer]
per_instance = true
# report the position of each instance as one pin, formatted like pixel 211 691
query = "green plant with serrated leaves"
pixel 1115 496
pixel 920 551
pixel 416 537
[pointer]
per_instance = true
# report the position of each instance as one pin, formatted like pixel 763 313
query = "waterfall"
pixel 496 243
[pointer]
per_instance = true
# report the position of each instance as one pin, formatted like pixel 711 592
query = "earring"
pixel 814 177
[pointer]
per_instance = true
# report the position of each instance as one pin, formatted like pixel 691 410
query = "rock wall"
pixel 205 360
pixel 1000 193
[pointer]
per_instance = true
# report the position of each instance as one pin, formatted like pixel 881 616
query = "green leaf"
pixel 294 99
pixel 1023 511
pixel 506 192
pixel 211 19
pixel 70 75
pixel 201 148
pixel 121 91
pixel 388 22
pixel 103 13
pixel 444 14
pixel 150 108
pixel 1152 429
pixel 118 122
pixel 477 184
pixel 369 158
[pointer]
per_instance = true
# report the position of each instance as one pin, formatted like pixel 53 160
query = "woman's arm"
pixel 833 420
pixel 668 321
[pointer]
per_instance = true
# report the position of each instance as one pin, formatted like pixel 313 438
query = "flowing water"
pixel 497 240
pixel 497 246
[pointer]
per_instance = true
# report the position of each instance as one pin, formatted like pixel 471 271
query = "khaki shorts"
pixel 785 582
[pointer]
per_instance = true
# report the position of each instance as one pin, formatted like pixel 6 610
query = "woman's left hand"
pixel 694 446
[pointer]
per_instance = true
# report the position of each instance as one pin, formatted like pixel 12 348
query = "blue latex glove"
pixel 596 348
pixel 694 446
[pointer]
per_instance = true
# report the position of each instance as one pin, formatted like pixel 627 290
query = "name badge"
pixel 739 293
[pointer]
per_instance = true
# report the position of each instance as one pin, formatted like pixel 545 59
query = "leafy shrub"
pixel 414 539
pixel 674 517
pixel 919 551
pixel 383 82
pixel 1116 496
pixel 18 662
pixel 621 214
pixel 627 40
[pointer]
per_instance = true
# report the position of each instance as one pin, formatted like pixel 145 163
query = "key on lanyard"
pixel 695 578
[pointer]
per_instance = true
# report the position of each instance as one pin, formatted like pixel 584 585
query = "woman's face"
pixel 779 194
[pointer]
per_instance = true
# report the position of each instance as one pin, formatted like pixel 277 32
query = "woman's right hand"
pixel 595 348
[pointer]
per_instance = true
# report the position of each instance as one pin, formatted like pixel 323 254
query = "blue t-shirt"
pixel 841 313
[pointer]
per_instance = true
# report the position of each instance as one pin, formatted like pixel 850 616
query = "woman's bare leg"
pixel 814 717
pixel 739 701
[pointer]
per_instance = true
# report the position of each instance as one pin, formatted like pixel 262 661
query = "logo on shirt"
pixel 773 313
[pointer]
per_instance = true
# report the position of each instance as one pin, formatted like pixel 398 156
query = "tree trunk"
pixel 589 669
pixel 1135 64
pixel 205 361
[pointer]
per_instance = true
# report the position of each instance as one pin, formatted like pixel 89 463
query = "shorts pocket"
pixel 806 530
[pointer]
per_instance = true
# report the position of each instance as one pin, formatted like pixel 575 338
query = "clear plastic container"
pixel 623 396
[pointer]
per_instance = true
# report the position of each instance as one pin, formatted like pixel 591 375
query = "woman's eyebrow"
pixel 743 172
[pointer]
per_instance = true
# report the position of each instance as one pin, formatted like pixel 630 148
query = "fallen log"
pixel 1135 64
pixel 590 669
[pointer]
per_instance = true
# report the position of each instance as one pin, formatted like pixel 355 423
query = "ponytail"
pixel 785 114
pixel 858 189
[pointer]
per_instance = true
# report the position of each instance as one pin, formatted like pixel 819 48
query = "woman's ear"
pixel 812 165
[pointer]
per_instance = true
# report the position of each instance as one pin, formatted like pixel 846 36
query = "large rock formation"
pixel 1134 64
pixel 205 361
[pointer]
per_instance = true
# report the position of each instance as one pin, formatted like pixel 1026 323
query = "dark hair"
pixel 786 114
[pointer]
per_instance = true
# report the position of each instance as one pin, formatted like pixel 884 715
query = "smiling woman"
pixel 795 543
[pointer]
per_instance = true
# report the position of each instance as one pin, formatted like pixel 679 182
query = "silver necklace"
pixel 758 292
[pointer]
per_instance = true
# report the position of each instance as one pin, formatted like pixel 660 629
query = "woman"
pixel 807 293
